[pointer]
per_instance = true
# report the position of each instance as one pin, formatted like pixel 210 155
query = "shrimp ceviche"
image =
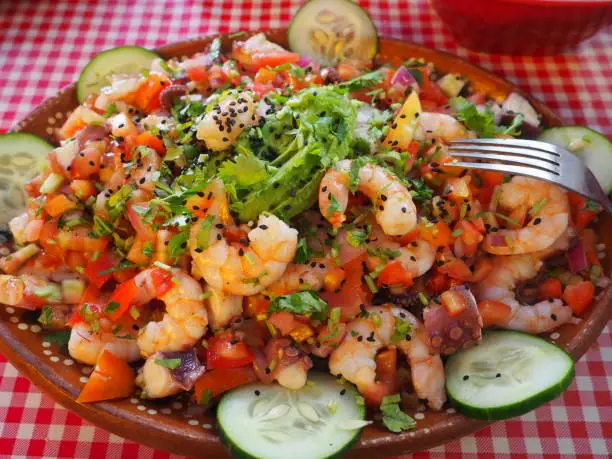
pixel 249 216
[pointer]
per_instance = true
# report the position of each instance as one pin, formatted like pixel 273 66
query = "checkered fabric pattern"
pixel 43 46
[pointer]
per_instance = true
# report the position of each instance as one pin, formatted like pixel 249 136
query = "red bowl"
pixel 526 27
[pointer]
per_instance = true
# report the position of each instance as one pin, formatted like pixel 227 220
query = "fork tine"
pixel 515 159
pixel 506 148
pixel 530 144
pixel 549 176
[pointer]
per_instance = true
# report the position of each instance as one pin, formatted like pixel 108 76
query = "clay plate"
pixel 184 429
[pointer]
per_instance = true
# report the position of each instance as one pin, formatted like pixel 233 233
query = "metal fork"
pixel 531 158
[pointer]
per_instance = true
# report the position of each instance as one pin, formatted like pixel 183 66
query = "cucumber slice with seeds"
pixel 22 157
pixel 321 420
pixel 593 147
pixel 509 374
pixel 123 59
pixel 330 30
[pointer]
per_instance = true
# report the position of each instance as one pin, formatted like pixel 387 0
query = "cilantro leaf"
pixel 206 397
pixel 358 236
pixel 418 189
pixel 247 170
pixel 171 364
pixel 112 306
pixel 203 235
pixel 302 253
pixel 482 123
pixel 334 206
pixel 101 227
pixel 302 303
pixel 46 315
pixel 147 249
pixel 356 166
pixel 60 338
pixel 394 418
pixel 110 110
pixel 364 81
pixel 178 244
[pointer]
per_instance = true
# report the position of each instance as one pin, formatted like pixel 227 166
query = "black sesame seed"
pixel 466 377
pixel 343 391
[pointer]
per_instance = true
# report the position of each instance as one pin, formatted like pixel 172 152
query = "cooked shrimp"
pixel 395 211
pixel 28 292
pixel 522 195
pixel 223 124
pixel 499 285
pixel 85 345
pixel 302 276
pixel 185 320
pixel 426 365
pixel 434 126
pixel 222 307
pixel 287 364
pixel 159 381
pixel 417 257
pixel 354 358
pixel 240 268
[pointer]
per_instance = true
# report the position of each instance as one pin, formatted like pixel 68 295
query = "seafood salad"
pixel 248 217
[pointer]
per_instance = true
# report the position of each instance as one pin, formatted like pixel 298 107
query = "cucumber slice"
pixel 22 157
pixel 592 146
pixel 322 420
pixel 329 30
pixel 123 59
pixel 508 374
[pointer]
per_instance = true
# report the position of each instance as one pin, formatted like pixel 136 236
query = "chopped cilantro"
pixel 60 338
pixel 302 253
pixel 171 364
pixel 394 418
pixel 112 306
pixel 206 397
pixel 334 206
pixel 178 244
pixel 364 81
pixel 303 303
pixel 46 316
pixel 400 330
pixel 110 110
pixel 482 123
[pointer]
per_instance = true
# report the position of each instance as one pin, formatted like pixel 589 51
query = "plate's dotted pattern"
pixel 44 44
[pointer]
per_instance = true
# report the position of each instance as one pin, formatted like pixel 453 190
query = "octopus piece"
pixel 450 331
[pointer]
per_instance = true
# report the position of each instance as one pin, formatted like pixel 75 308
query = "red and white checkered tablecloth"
pixel 44 44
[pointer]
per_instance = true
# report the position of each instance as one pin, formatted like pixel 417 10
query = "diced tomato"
pixel 78 239
pixel 394 274
pixel 430 90
pixel 137 254
pixel 142 229
pixel 469 233
pixel 124 295
pixel 58 205
pixel 453 302
pixel 226 351
pixel 407 238
pixel 334 278
pixel 437 283
pixel 94 269
pixel 198 74
pixel 352 294
pixel 550 288
pixel 48 240
pixel 332 337
pixel 583 218
pixel 456 269
pixel 148 140
pixel 284 321
pixel 147 95
pixel 234 234
pixel 82 189
pixel 438 234
pixel 576 201
pixel 589 239
pixel 386 378
pixel 86 163
pixel 33 229
pixel 256 304
pixel 579 295
pixel 494 312
pixel 75 260
pixel 259 60
pixel 265 76
pixel 112 378
pixel 218 381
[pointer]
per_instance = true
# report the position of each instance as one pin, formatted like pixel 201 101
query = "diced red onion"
pixel 304 61
pixel 402 77
pixel 577 258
